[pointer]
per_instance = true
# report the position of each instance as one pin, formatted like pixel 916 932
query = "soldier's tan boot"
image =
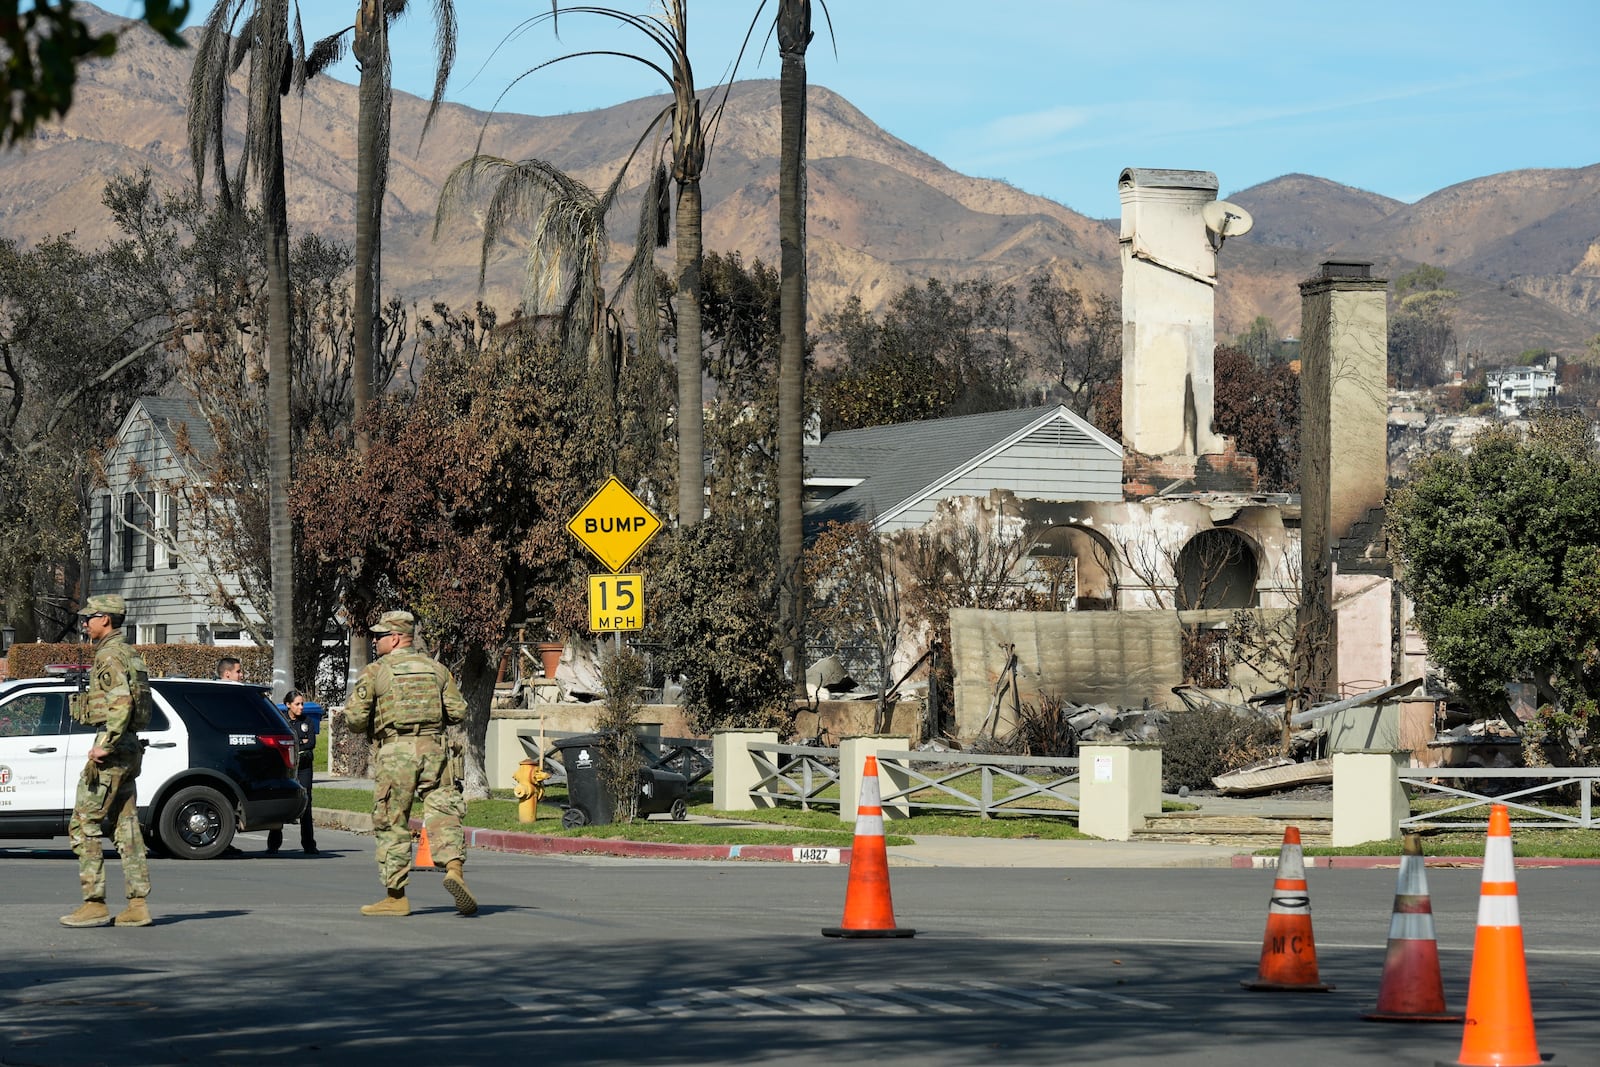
pixel 89 913
pixel 455 883
pixel 393 904
pixel 137 913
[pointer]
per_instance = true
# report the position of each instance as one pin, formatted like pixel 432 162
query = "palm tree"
pixel 687 126
pixel 567 249
pixel 370 42
pixel 794 35
pixel 275 66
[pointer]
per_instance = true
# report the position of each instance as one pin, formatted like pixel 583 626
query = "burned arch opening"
pixel 1217 569
pixel 1073 568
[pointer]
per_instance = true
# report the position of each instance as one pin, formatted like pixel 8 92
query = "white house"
pixel 1516 389
pixel 139 514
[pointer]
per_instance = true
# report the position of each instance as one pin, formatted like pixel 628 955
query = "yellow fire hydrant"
pixel 528 788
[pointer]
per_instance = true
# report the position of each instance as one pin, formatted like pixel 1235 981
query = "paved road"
pixel 611 961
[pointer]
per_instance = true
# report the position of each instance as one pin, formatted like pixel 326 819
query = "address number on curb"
pixel 816 855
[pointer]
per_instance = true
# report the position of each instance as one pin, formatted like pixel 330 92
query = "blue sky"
pixel 1057 96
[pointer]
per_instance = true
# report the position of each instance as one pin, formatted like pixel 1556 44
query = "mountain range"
pixel 1522 248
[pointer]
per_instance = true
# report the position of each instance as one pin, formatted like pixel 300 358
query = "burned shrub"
pixel 1044 730
pixel 1199 744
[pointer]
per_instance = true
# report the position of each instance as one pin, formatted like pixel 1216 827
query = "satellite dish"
pixel 1224 220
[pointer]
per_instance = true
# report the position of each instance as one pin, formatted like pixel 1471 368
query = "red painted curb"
pixel 512 841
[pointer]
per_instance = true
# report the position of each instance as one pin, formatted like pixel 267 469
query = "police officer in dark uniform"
pixel 305 746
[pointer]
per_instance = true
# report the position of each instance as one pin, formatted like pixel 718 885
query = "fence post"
pixel 1118 785
pixel 1368 799
pixel 853 753
pixel 734 771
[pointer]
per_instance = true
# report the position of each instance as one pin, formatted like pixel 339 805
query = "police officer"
pixel 404 700
pixel 118 701
pixel 305 746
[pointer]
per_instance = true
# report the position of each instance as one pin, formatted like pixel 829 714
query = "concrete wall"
pixel 1364 606
pixel 1084 656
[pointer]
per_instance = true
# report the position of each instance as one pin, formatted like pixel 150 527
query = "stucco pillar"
pixel 853 753
pixel 734 771
pixel 1368 800
pixel 1118 785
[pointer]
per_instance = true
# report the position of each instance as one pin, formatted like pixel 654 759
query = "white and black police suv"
pixel 218 758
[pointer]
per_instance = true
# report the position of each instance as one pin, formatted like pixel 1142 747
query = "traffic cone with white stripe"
pixel 868 908
pixel 1412 990
pixel 1499 1027
pixel 1288 951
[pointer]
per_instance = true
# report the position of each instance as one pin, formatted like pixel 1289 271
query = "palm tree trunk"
pixel 691 414
pixel 372 173
pixel 275 207
pixel 794 34
pixel 371 47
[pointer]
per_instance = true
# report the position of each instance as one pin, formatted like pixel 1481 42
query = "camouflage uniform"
pixel 405 700
pixel 118 701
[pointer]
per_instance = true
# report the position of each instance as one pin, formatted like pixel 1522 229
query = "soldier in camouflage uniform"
pixel 405 700
pixel 118 701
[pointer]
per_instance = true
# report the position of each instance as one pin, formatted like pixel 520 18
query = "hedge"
pixel 164 661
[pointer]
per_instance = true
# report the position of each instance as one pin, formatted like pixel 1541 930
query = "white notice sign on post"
pixel 1102 768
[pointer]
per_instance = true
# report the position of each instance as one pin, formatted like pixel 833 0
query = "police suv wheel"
pixel 197 823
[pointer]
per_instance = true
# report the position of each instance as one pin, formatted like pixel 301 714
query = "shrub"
pixel 1201 744
pixel 1044 730
pixel 163 661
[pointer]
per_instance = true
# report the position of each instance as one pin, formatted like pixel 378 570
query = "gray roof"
pixel 168 414
pixel 900 462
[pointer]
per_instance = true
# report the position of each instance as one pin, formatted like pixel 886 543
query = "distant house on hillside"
pixel 895 476
pixel 1517 389
pixel 138 516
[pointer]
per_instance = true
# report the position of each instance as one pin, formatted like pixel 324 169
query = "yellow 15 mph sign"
pixel 616 602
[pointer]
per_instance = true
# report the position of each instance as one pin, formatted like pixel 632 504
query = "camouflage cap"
pixel 395 622
pixel 105 604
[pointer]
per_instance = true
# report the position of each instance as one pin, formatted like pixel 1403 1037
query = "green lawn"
pixel 1526 844
pixel 1469 839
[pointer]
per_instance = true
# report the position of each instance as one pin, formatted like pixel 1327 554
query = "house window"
pixel 130 510
pixel 106 519
pixel 171 525
pixel 149 517
pixel 159 637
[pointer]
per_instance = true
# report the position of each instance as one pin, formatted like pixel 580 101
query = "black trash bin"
pixel 589 803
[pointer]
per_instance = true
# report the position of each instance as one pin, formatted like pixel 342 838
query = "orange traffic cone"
pixel 1412 990
pixel 424 860
pixel 1499 1026
pixel 868 909
pixel 1288 952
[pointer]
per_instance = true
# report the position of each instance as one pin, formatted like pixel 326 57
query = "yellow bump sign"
pixel 616 602
pixel 614 525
